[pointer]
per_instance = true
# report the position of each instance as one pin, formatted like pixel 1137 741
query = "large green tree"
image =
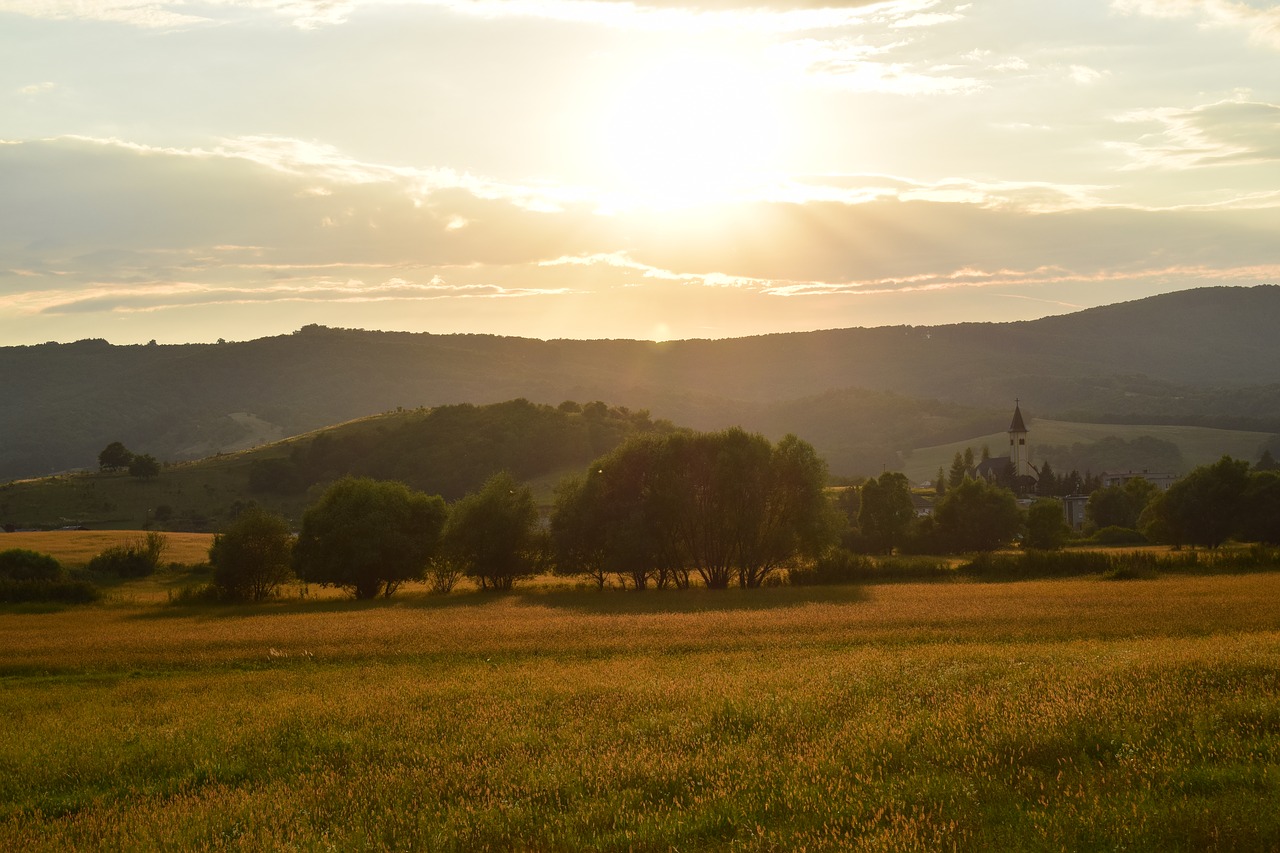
pixel 725 506
pixel 253 555
pixel 886 512
pixel 977 516
pixel 1260 519
pixel 492 534
pixel 144 466
pixel 369 536
pixel 1047 530
pixel 1120 505
pixel 114 457
pixel 1203 508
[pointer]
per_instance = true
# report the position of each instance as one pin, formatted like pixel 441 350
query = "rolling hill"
pixel 1203 357
pixel 448 451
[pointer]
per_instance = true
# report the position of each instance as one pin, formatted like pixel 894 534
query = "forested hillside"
pixel 448 451
pixel 1204 357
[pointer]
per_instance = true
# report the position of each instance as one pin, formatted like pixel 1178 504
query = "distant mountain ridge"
pixel 1192 356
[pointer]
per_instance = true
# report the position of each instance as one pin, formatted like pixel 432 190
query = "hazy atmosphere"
pixel 552 168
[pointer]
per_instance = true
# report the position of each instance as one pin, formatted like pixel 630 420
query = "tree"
pixel 940 483
pixel 144 467
pixel 1266 462
pixel 958 471
pixel 1047 530
pixel 726 505
pixel 1047 482
pixel 369 536
pixel 577 540
pixel 114 457
pixel 20 564
pixel 491 534
pixel 977 516
pixel 887 511
pixel 1120 505
pixel 793 519
pixel 253 555
pixel 1260 521
pixel 1203 508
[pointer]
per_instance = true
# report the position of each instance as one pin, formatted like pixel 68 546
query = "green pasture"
pixel 1199 445
pixel 1077 714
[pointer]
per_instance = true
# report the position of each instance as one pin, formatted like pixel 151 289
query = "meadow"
pixel 1062 714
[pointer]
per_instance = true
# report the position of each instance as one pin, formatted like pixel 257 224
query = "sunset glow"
pixel 588 168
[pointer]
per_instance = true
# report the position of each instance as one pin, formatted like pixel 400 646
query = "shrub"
pixel 1118 536
pixel 252 557
pixel 69 592
pixel 137 558
pixel 1037 564
pixel 844 567
pixel 442 576
pixel 19 564
pixel 839 566
pixel 206 593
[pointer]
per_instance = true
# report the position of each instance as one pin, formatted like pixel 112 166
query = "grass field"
pixel 1079 714
pixel 77 547
pixel 1199 445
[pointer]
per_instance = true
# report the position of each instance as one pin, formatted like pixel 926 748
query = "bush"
pixel 844 567
pixel 839 566
pixel 253 556
pixel 206 593
pixel 19 564
pixel 1037 564
pixel 69 592
pixel 1114 536
pixel 136 558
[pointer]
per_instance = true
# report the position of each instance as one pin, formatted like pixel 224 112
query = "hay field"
pixel 1077 714
pixel 78 547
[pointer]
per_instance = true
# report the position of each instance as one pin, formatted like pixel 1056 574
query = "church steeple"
pixel 1019 455
pixel 1017 425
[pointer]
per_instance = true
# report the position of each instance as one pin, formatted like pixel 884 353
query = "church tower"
pixel 1019 453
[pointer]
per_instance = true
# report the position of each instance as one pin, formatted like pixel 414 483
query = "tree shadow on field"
pixel 698 600
pixel 296 606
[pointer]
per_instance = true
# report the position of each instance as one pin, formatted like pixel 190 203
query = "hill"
pixel 1080 446
pixel 1203 357
pixel 449 451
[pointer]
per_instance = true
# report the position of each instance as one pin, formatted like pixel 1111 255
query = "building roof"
pixel 1018 425
pixel 996 466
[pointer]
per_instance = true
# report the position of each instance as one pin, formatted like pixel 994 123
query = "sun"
pixel 689 128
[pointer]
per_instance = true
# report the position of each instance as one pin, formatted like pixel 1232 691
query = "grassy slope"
pixel 208 487
pixel 1199 445
pixel 203 489
pixel 1047 715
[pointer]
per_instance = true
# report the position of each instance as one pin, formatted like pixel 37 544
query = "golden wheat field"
pixel 78 547
pixel 1043 715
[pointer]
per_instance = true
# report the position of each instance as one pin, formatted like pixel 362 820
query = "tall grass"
pixel 1040 715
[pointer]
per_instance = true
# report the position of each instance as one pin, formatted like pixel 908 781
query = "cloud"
pixel 36 89
pixel 770 15
pixel 96 226
pixel 1261 24
pixel 130 12
pixel 1086 76
pixel 164 296
pixel 1227 133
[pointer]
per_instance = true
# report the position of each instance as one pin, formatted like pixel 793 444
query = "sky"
pixel 660 169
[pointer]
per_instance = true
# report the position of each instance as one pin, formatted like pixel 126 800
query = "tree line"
pixel 726 507
pixel 667 510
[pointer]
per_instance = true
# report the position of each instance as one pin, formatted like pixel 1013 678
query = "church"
pixel 1015 470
